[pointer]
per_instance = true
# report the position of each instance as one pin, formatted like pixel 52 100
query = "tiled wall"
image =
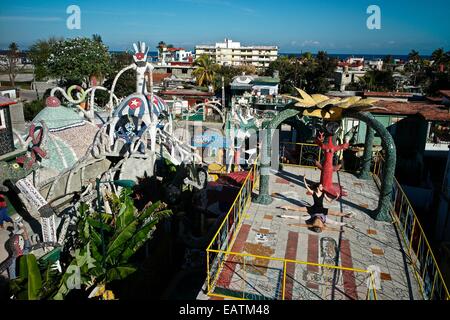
pixel 6 135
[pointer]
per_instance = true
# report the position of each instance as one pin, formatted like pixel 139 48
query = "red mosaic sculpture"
pixel 35 151
pixel 327 168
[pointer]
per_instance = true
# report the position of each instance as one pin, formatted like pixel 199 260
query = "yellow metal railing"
pixel 426 269
pixel 227 231
pixel 242 265
pixel 220 255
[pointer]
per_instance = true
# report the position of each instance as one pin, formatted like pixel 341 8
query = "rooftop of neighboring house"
pixel 20 54
pixel 387 94
pixel 187 92
pixel 431 112
pixel 357 63
pixel 248 80
pixel 355 71
pixel 159 77
pixel 175 65
pixel 445 93
pixel 230 44
pixel 266 80
pixel 4 88
pixel 6 101
pixel 175 49
pixel 440 99
pixel 181 64
pixel 437 100
pixel 21 77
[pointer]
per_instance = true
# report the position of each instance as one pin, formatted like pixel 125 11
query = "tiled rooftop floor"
pixel 366 243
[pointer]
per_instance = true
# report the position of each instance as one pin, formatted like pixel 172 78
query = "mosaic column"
pixel 266 153
pixel 364 172
pixel 387 142
pixel 264 196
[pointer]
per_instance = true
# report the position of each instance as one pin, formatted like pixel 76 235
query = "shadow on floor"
pixel 295 180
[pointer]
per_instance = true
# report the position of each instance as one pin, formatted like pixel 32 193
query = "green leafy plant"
pixel 31 109
pixel 77 59
pixel 29 282
pixel 103 248
pixel 206 70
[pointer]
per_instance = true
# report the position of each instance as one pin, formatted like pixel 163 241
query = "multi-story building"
pixel 233 54
pixel 168 55
pixel 345 76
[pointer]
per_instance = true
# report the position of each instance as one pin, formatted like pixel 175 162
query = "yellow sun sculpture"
pixel 321 106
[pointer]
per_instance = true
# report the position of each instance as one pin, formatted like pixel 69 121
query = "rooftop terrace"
pixel 275 257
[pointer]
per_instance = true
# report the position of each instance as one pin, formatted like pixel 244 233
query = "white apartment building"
pixel 375 64
pixel 174 55
pixel 233 54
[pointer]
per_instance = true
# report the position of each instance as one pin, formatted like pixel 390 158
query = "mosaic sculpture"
pixel 13 172
pixel 331 110
pixel 327 168
pixel 35 151
pixel 64 162
pixel 241 123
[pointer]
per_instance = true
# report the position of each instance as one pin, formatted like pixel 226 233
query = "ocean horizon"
pixel 341 56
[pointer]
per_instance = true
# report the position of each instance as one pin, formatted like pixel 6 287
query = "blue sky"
pixel 294 25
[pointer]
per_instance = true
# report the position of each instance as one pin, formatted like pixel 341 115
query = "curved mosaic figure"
pixel 241 125
pixel 388 144
pixel 59 130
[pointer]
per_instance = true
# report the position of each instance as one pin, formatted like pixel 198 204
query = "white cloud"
pixel 27 18
pixel 310 43
pixel 129 13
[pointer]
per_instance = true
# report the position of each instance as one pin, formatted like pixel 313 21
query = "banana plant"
pixel 29 283
pixel 102 250
pixel 120 236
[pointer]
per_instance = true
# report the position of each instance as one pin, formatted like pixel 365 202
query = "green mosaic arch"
pixel 382 211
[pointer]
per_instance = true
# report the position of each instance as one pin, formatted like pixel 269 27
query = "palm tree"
pixel 439 57
pixel 307 56
pixel 206 70
pixel 388 59
pixel 13 47
pixel 161 45
pixel 414 56
pixel 97 38
pixel 414 62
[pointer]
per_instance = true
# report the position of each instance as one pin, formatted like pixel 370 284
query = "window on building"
pixel 212 152
pixel 351 123
pixel 395 119
pixel 169 70
pixel 184 71
pixel 2 119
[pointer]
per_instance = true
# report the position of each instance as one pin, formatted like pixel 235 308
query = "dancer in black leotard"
pixel 318 196
pixel 318 213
